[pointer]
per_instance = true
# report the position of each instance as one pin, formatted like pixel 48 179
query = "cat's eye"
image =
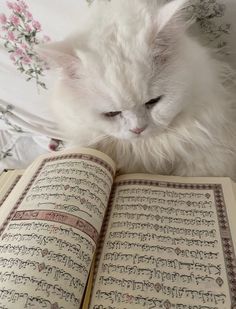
pixel 112 114
pixel 153 102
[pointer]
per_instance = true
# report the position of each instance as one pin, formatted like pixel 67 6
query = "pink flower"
pixel 28 28
pixel 3 19
pixel 20 33
pixel 36 25
pixel 19 52
pixel 10 5
pixel 24 46
pixel 15 20
pixel 28 15
pixel 23 5
pixel 17 8
pixel 26 59
pixel 11 36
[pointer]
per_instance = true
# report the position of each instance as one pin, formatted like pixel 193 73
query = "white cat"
pixel 135 85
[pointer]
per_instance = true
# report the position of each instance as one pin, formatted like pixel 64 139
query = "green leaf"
pixel 42 85
pixel 21 69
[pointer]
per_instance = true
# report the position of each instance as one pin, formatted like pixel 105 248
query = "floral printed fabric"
pixel 27 127
pixel 20 33
pixel 209 16
pixel 216 25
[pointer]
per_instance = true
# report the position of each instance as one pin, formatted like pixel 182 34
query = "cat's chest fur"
pixel 171 154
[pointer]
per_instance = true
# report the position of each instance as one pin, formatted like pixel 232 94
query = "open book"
pixel 161 242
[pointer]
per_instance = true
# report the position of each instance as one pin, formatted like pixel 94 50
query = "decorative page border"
pixel 10 189
pixel 223 222
pixel 93 234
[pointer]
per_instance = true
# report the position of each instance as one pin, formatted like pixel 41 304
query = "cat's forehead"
pixel 120 94
pixel 125 84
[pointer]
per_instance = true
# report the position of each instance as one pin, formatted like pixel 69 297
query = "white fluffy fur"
pixel 126 53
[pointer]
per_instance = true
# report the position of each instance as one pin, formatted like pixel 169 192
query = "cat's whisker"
pixel 97 139
pixel 181 137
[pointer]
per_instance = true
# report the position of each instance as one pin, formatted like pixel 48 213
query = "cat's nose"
pixel 137 130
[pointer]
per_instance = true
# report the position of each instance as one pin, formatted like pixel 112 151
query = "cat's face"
pixel 127 83
pixel 135 120
pixel 132 103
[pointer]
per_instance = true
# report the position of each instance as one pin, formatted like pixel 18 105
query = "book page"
pixel 47 242
pixel 9 182
pixel 168 245
pixel 234 188
pixel 3 178
pixel 89 286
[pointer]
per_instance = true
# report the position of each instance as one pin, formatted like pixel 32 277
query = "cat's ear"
pixel 168 28
pixel 170 13
pixel 60 55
